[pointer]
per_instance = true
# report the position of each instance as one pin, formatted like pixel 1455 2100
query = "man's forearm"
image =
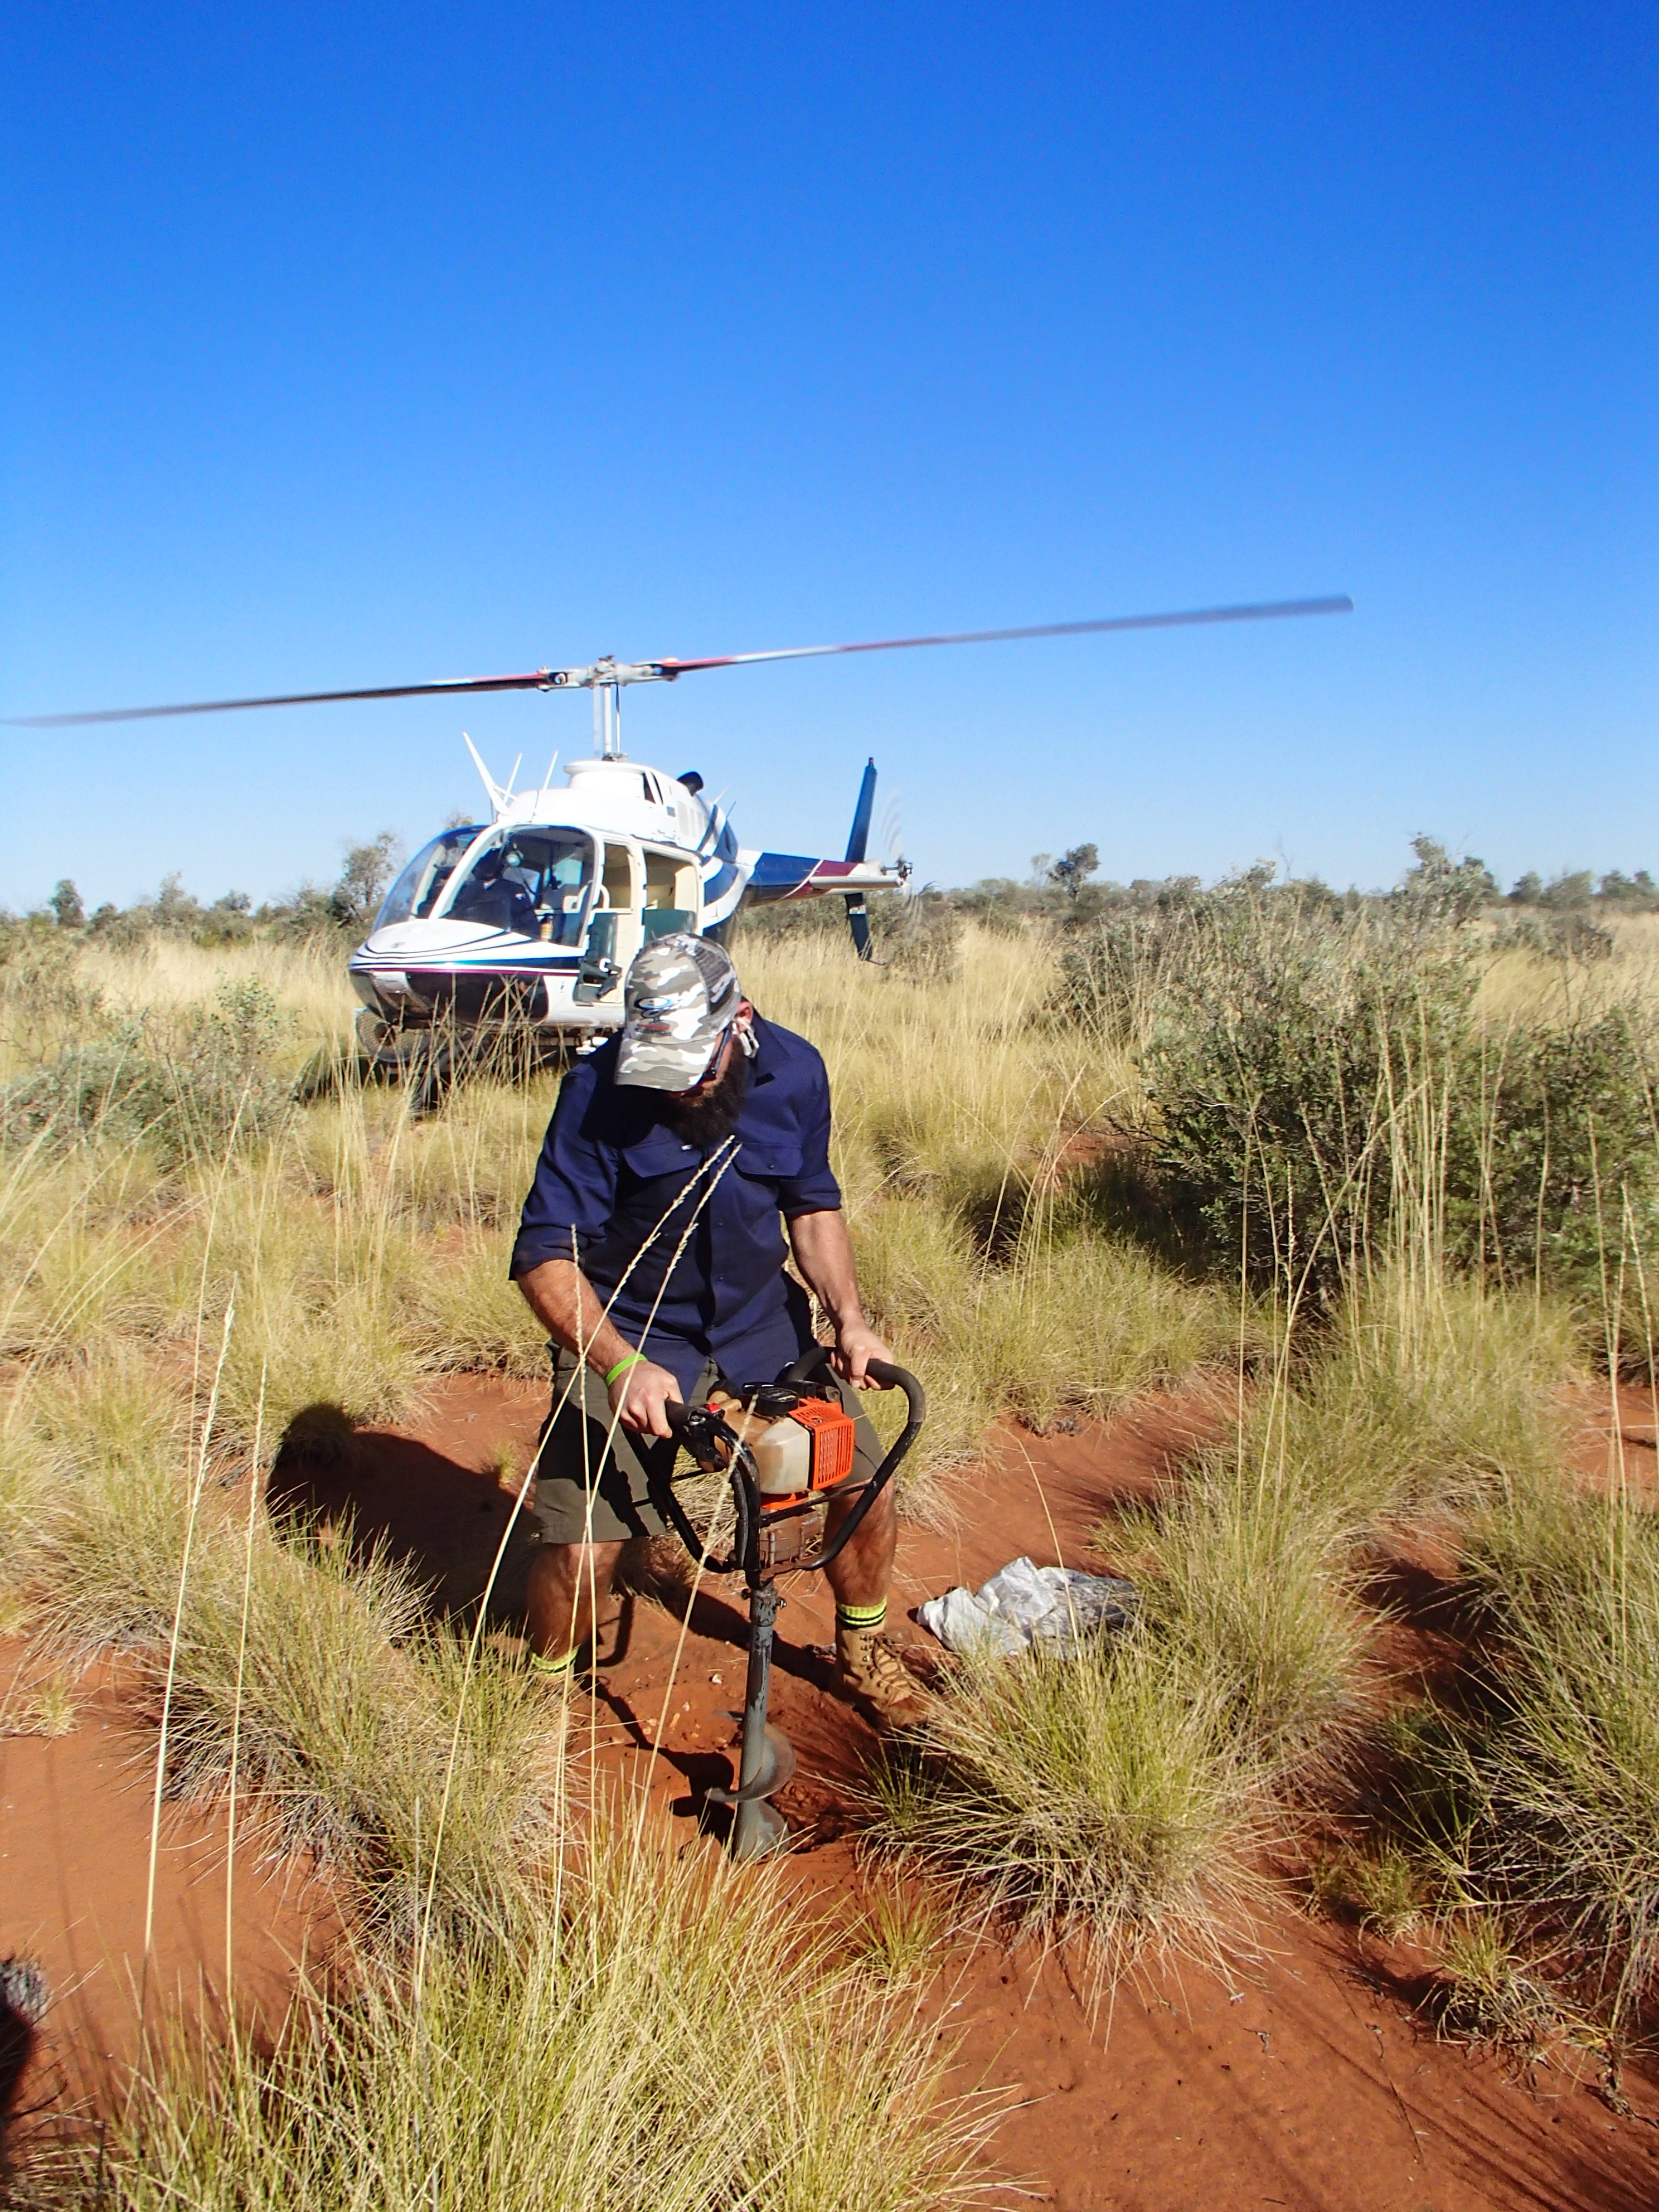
pixel 823 1252
pixel 569 1307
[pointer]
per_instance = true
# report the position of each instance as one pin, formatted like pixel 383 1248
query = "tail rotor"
pixel 858 913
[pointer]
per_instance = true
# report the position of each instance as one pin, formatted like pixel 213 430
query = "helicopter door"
pixel 671 894
pixel 622 892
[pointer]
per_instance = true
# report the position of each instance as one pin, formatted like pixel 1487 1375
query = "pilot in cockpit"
pixel 492 897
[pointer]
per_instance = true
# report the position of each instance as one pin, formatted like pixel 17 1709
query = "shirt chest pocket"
pixel 765 1159
pixel 761 1159
pixel 660 1154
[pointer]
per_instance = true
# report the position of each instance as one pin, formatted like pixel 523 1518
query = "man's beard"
pixel 710 1119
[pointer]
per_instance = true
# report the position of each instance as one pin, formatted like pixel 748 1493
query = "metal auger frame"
pixel 766 1760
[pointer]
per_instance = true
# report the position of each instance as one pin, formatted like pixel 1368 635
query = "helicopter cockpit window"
pixel 532 882
pixel 424 881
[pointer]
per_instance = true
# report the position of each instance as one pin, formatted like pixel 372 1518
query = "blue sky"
pixel 364 344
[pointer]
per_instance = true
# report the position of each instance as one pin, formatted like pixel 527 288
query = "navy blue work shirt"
pixel 655 1223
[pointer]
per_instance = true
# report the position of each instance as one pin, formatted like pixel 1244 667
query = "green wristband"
pixel 622 1366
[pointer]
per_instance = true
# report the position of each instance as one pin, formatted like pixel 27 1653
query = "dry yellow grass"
pixel 371 1249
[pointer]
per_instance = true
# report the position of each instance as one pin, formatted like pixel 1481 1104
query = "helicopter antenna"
pixel 547 780
pixel 493 791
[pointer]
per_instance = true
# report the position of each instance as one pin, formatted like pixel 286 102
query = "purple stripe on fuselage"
pixel 791 875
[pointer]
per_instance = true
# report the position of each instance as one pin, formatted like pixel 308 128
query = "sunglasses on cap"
pixel 713 1067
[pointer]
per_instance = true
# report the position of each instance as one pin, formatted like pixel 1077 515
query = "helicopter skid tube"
pixel 395 1035
pixel 487 999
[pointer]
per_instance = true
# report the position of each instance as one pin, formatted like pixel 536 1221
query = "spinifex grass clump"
pixel 29 1488
pixel 1488 1987
pixel 1246 1577
pixel 1427 1400
pixel 1429 1395
pixel 1558 1775
pixel 1063 1320
pixel 663 2037
pixel 1106 1797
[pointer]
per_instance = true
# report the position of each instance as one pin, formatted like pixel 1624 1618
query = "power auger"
pixel 787 1449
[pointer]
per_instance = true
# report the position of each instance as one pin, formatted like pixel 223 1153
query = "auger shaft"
pixel 754 1823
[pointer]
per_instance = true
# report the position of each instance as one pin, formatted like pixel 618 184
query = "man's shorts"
pixel 584 1492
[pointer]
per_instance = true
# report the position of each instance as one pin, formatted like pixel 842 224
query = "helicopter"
pixel 529 920
pixel 525 924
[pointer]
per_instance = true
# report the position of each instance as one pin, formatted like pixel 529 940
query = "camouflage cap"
pixel 679 998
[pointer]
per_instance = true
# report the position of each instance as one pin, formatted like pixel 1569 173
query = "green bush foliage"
pixel 185 1086
pixel 1313 1068
pixel 1281 1044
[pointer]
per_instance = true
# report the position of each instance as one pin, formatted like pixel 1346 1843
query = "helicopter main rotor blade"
pixel 666 670
pixel 1188 618
pixel 543 679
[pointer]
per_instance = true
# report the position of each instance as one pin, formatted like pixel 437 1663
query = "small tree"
pixel 65 903
pixel 357 897
pixel 1444 888
pixel 1569 891
pixel 175 908
pixel 1073 869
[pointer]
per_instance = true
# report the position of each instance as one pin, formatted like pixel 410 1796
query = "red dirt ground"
pixel 1302 2081
pixel 75 1829
pixel 1615 1458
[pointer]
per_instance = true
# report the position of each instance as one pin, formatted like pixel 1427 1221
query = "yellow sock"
pixel 861 1617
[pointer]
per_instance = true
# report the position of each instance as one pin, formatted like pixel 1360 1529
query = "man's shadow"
pixel 24 1997
pixel 442 1521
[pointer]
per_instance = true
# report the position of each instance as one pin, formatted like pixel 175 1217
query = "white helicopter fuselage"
pixel 531 919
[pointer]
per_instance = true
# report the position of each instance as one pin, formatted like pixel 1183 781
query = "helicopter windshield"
pixel 423 882
pixel 532 881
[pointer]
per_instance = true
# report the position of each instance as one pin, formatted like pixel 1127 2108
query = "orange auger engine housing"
pixel 800 1443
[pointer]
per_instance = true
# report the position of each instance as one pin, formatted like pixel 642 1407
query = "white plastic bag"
pixel 1058 1607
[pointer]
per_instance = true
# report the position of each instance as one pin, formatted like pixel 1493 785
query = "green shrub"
pixel 1113 975
pixel 1317 1083
pixel 1552 1168
pixel 1291 1064
pixel 187 1086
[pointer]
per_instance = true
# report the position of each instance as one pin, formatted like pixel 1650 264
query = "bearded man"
pixel 652 1249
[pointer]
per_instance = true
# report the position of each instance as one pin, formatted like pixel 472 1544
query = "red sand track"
pixel 1301 2082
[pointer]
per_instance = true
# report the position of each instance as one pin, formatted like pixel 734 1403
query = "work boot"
pixel 872 1670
